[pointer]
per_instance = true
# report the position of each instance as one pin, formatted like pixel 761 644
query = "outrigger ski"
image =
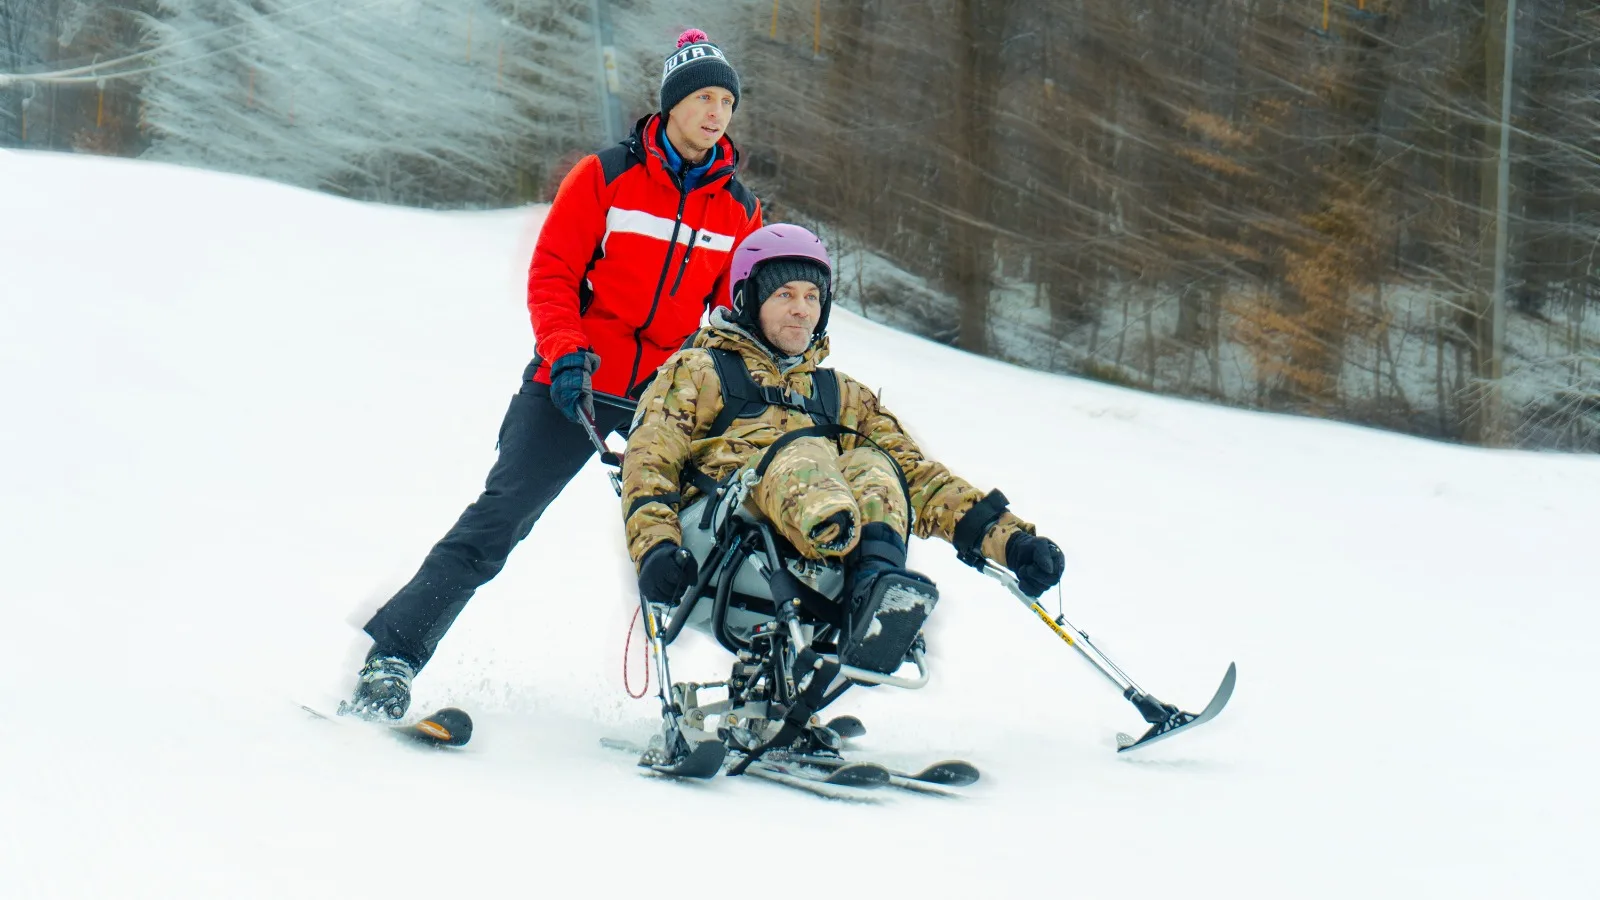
pixel 448 727
pixel 1166 721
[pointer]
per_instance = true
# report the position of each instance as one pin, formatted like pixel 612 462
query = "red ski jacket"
pixel 627 261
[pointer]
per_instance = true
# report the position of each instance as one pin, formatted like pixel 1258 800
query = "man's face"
pixel 699 120
pixel 790 315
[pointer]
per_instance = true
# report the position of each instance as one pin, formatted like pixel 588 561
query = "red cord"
pixel 628 645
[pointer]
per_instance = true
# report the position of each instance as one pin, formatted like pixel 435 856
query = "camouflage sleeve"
pixel 939 497
pixel 659 446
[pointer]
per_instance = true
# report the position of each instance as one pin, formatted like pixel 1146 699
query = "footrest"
pixel 900 604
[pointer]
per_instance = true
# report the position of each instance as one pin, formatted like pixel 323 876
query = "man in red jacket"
pixel 634 251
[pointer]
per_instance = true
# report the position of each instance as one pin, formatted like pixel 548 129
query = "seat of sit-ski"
pixel 699 538
pixel 750 598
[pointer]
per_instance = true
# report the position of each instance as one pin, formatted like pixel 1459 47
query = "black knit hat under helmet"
pixel 696 64
pixel 772 274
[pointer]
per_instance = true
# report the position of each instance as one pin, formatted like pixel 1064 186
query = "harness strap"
pixel 742 398
pixel 671 500
pixel 834 432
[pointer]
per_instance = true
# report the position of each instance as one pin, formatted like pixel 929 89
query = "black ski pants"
pixel 540 451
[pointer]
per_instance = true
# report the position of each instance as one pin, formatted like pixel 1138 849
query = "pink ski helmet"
pixel 764 247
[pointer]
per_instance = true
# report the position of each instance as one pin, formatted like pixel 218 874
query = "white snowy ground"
pixel 236 415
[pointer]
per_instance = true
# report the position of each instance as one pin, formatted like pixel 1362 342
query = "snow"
pixel 237 414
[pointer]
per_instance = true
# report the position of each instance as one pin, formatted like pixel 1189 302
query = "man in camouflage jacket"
pixel 840 500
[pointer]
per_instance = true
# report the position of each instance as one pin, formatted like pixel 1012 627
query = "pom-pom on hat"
pixel 696 64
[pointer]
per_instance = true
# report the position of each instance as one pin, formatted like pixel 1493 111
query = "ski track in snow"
pixel 238 414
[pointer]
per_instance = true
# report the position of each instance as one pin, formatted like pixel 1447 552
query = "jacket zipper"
pixel 661 282
pixel 693 234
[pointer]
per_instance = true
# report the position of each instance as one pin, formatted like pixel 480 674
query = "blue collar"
pixel 691 177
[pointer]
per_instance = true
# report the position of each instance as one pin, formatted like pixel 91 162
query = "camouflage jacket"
pixel 683 401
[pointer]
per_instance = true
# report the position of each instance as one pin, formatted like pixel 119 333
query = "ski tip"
pixel 950 772
pixel 449 726
pixel 847 726
pixel 703 761
pixel 1124 741
pixel 1224 692
pixel 861 775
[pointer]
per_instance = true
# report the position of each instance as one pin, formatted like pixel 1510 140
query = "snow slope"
pixel 236 415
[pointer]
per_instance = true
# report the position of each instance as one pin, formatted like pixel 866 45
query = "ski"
pixel 704 761
pixel 931 779
pixel 1179 720
pixel 448 727
pixel 845 772
pixel 854 782
pixel 847 781
pixel 847 727
pixel 947 773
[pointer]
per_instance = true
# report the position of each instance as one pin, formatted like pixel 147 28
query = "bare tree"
pixel 26 30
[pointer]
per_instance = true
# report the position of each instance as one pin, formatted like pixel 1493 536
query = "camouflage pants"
pixel 809 481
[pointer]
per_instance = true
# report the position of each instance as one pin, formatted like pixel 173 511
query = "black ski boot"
pixel 383 688
pixel 888 602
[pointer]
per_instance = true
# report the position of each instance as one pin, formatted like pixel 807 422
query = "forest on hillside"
pixel 1355 210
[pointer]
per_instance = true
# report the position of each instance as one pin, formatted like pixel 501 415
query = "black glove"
pixel 570 388
pixel 1037 562
pixel 665 571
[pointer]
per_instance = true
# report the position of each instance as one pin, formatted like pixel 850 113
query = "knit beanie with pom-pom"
pixel 696 64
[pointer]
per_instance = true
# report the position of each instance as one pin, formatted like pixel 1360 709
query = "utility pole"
pixel 609 84
pixel 1502 235
pixel 1495 193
